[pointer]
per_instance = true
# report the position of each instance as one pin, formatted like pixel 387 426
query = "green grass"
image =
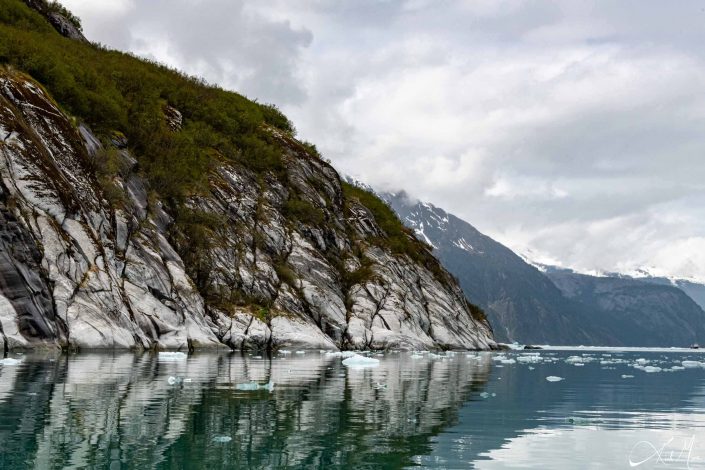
pixel 115 92
pixel 118 94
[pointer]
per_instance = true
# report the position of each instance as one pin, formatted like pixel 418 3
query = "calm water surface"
pixel 467 410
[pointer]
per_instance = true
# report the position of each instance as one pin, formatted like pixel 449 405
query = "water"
pixel 474 410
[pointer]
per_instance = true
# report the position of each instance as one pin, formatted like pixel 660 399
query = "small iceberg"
pixel 358 361
pixel 652 369
pixel 254 386
pixel 526 358
pixel 172 380
pixel 343 354
pixel 627 376
pixel 284 351
pixel 508 361
pixel 9 361
pixel 553 378
pixel 691 364
pixel 222 439
pixel 172 356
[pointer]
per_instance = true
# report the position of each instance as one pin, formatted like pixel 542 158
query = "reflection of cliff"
pixel 101 409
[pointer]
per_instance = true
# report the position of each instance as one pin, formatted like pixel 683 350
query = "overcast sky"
pixel 574 129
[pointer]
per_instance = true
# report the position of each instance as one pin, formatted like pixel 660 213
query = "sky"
pixel 572 131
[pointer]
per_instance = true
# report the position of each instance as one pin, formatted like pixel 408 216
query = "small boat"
pixel 695 346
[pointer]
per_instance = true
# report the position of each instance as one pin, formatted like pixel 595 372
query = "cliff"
pixel 149 220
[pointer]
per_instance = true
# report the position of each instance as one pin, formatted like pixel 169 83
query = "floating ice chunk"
pixel 435 356
pixel 553 378
pixel 342 354
pixel 9 361
pixel 254 386
pixel 574 359
pixel 508 361
pixel 256 357
pixel 532 368
pixel 641 361
pixel 300 352
pixel 358 361
pixel 222 439
pixel 677 368
pixel 691 364
pixel 627 376
pixel 529 358
pixel 172 356
pixel 284 351
pixel 174 380
pixel 485 395
pixel 652 369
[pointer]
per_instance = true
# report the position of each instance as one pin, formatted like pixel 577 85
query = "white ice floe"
pixel 641 361
pixel 574 359
pixel 254 386
pixel 692 364
pixel 508 361
pixel 222 439
pixel 553 378
pixel 627 376
pixel 172 356
pixel 358 361
pixel 9 361
pixel 529 359
pixel 284 351
pixel 343 354
pixel 652 369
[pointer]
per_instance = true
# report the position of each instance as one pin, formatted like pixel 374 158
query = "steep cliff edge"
pixel 96 251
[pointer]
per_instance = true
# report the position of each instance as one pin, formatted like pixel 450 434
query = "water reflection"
pixel 308 410
pixel 137 411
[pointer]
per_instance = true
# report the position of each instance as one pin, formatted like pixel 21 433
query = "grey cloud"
pixel 571 128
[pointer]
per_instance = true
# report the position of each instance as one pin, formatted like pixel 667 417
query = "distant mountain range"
pixel 551 305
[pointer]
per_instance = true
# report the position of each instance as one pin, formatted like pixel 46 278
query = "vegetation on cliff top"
pixel 116 93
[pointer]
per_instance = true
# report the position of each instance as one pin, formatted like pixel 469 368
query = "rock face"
pixel 78 271
pixel 521 302
pixel 551 305
pixel 635 312
pixel 59 21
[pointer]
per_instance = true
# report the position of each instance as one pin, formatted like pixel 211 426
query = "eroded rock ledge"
pixel 79 272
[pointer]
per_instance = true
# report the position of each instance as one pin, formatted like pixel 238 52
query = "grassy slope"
pixel 117 93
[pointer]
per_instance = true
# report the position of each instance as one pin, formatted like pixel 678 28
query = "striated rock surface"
pixel 81 268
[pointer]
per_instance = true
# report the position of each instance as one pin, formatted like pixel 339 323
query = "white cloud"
pixel 573 128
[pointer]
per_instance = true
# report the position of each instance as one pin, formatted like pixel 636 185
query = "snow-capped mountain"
pixel 541 303
pixel 521 303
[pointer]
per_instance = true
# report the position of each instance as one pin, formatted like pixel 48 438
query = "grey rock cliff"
pixel 79 272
